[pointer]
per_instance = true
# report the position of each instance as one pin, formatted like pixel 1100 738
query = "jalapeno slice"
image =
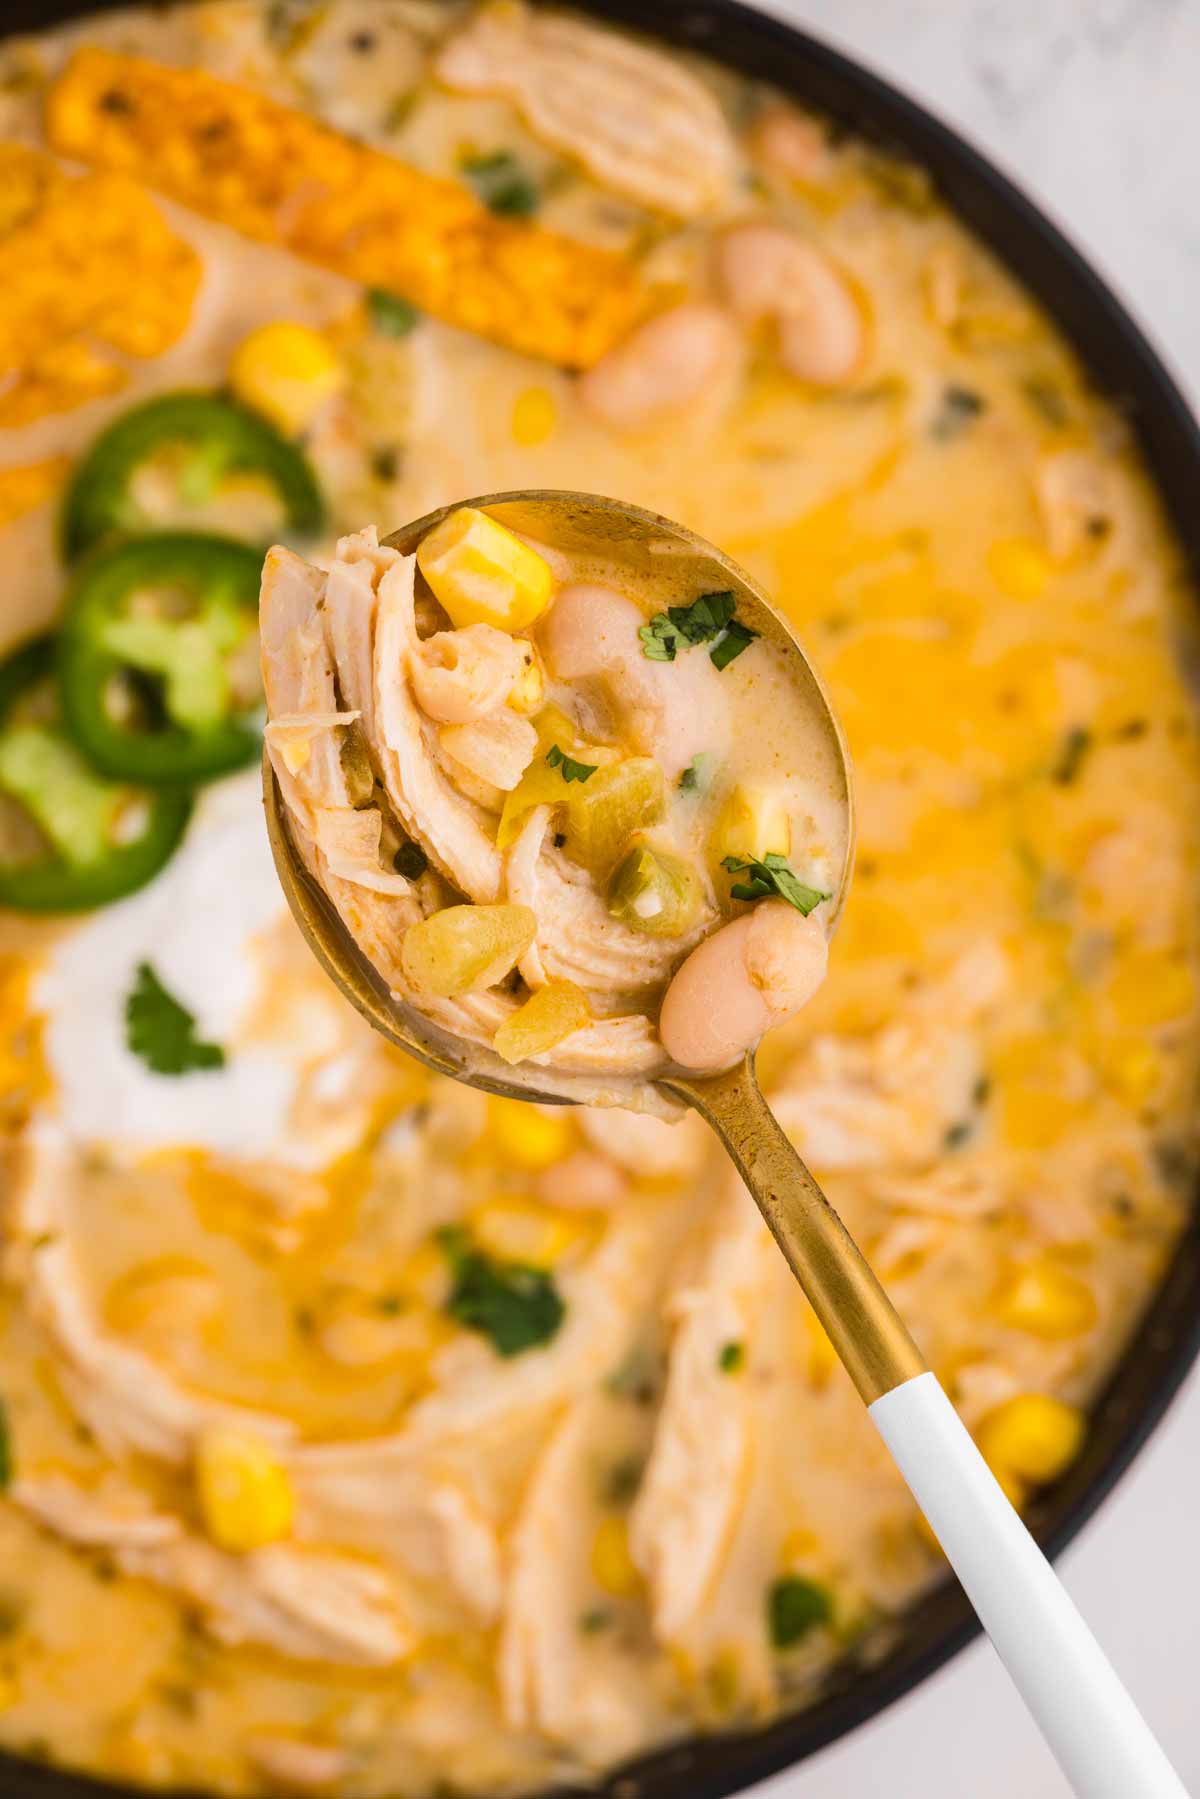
pixel 158 658
pixel 69 839
pixel 171 460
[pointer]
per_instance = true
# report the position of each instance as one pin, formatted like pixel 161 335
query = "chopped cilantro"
pixel 794 1607
pixel 568 768
pixel 591 1623
pixel 959 407
pixel 697 774
pixel 772 875
pixel 162 1032
pixel 736 639
pixel 709 617
pixel 623 1480
pixel 6 1454
pixel 958 1133
pixel 1075 746
pixel 391 314
pixel 516 1307
pixel 732 1358
pixel 410 861
pixel 502 184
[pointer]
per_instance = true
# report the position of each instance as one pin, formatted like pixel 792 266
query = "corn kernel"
pixel 1045 1300
pixel 752 824
pixel 244 1492
pixel 552 1013
pixel 286 371
pixel 524 1230
pixel 612 1565
pixel 1151 988
pixel 1032 1437
pixel 1020 568
pixel 1133 1069
pixel 530 1138
pixel 482 574
pixel 528 691
pixel 534 416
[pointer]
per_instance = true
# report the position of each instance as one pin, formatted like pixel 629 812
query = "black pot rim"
pixel 1122 363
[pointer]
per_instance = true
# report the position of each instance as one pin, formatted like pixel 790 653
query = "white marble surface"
pixel 1094 106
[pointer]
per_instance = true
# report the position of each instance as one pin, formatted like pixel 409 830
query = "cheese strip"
pixel 277 175
pixel 73 249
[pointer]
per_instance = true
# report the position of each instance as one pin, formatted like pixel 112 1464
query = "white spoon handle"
pixel 1100 1739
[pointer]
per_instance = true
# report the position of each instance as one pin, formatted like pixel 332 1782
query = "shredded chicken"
pixel 636 119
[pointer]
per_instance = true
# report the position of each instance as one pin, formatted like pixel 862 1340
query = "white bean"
pixel 663 367
pixel 459 676
pixel 767 272
pixel 735 985
pixel 671 710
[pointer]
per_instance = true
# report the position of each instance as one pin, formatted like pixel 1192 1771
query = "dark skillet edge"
pixel 1122 364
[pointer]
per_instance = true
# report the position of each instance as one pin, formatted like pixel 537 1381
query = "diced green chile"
pixel 95 840
pixel 190 726
pixel 223 439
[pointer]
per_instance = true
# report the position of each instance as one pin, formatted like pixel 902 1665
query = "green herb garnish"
pixel 591 1623
pixel 1075 746
pixel 6 1454
pixel 794 1607
pixel 391 313
pixel 732 1358
pixel 568 768
pixel 960 407
pixel 623 1480
pixel 516 1307
pixel 736 639
pixel 772 875
pixel 695 777
pixel 502 184
pixel 680 627
pixel 162 1032
pixel 410 861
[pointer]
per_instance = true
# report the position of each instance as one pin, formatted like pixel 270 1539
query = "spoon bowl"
pixel 680 565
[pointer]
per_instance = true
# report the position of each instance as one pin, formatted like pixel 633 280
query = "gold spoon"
pixel 1089 1720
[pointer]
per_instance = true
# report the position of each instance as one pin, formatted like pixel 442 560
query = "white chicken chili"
pixel 547 791
pixel 361 1434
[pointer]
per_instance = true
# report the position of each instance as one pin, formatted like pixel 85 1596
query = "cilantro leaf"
pixel 772 875
pixel 709 617
pixel 162 1032
pixel 738 638
pixel 568 768
pixel 502 184
pixel 390 313
pixel 732 1358
pixel 1070 760
pixel 794 1607
pixel 696 776
pixel 515 1306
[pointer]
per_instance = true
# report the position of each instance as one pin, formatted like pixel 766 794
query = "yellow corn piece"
pixel 244 1492
pixel 482 574
pixel 1020 568
pixel 23 488
pixel 1032 1437
pixel 549 1015
pixel 1150 988
pixel 286 371
pixel 752 823
pixel 531 1139
pixel 534 416
pixel 1047 1301
pixel 612 1565
pixel 277 175
pixel 87 266
pixel 518 1229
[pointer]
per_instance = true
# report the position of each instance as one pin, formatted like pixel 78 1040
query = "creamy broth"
pixel 371 1436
